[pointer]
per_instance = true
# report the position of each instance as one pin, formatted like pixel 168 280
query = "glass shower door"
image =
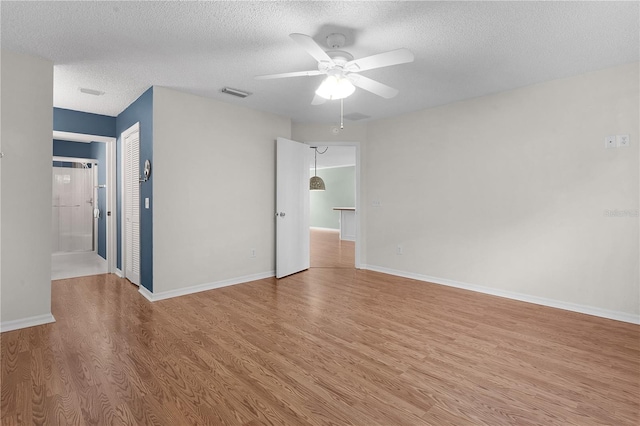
pixel 72 204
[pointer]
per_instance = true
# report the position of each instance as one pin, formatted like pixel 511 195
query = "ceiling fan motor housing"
pixel 336 40
pixel 339 57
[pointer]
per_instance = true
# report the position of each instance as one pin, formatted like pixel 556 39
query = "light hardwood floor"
pixel 328 346
pixel 329 251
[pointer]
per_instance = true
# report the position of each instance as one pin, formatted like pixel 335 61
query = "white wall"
pixel 25 183
pixel 509 192
pixel 214 190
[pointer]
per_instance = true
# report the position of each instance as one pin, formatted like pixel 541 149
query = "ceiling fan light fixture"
pixel 335 87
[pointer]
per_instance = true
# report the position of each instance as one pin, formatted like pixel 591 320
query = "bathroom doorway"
pixel 75 219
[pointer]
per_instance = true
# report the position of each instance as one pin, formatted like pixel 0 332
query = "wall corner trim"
pixel 26 322
pixel 146 293
pixel 154 297
pixel 119 273
pixel 583 309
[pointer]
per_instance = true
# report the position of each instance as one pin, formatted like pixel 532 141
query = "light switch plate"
pixel 610 142
pixel 623 140
pixel 146 203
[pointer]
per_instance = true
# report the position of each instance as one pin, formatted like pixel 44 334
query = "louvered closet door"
pixel 132 206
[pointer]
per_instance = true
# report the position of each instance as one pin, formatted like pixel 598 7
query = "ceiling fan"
pixel 342 69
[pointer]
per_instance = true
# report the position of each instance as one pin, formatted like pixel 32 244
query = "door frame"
pixel 358 242
pixel 111 188
pixel 94 195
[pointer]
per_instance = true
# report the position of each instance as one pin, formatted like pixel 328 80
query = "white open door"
pixel 131 142
pixel 292 207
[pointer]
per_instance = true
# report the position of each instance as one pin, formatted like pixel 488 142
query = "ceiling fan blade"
pixel 311 47
pixel 318 100
pixel 386 59
pixel 372 86
pixel 288 74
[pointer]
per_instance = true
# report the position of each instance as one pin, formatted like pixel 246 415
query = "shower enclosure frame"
pixel 93 196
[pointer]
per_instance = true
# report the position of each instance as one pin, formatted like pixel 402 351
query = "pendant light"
pixel 316 183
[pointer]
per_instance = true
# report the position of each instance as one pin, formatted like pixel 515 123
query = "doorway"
pixel 333 218
pixel 82 238
pixel 75 227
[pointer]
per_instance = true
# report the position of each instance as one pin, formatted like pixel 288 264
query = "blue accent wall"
pixel 97 151
pixel 140 111
pixel 67 120
pixel 72 149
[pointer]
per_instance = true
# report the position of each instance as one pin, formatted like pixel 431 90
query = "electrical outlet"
pixel 252 253
pixel 376 203
pixel 623 140
pixel 399 250
pixel 610 142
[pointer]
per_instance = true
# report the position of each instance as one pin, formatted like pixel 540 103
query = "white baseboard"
pixel 26 322
pixel 119 273
pixel 317 228
pixel 574 307
pixel 146 293
pixel 154 297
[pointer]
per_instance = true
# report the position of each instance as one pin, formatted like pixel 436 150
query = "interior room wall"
pixel 72 149
pixel 86 123
pixel 512 193
pixel 214 193
pixel 340 183
pixel 26 98
pixel 140 111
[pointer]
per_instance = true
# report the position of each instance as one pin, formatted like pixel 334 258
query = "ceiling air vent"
pixel 91 91
pixel 235 92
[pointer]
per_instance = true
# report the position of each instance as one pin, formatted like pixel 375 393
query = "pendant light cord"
pixel 315 158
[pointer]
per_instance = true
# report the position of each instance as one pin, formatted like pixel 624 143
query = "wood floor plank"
pixel 329 346
pixel 329 251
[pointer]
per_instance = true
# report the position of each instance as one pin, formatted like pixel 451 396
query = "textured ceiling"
pixel 462 49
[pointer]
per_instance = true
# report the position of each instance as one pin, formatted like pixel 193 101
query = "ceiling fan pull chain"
pixel 341 113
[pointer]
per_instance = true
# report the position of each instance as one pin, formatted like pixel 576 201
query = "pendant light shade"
pixel 316 183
